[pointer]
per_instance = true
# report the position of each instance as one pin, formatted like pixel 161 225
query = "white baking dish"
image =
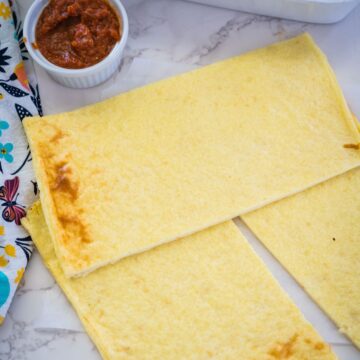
pixel 314 11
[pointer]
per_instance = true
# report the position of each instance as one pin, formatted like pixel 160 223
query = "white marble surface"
pixel 169 37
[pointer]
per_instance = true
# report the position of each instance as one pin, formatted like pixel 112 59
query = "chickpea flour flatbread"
pixel 169 159
pixel 205 296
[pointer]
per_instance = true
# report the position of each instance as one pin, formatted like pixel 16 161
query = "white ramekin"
pixel 76 78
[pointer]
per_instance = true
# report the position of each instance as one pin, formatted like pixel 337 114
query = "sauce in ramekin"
pixel 76 34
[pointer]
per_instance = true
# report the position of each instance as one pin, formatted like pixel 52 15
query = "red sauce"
pixel 75 34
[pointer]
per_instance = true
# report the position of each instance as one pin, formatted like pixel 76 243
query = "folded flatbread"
pixel 207 296
pixel 316 236
pixel 171 158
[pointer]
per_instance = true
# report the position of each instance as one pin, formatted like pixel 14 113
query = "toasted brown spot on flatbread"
pixel 352 146
pixel 63 181
pixel 284 350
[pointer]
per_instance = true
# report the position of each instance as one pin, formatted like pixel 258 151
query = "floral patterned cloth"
pixel 18 98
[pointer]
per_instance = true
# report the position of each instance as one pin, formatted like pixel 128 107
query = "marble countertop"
pixel 169 37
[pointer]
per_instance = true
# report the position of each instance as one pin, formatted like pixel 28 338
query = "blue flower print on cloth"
pixel 5 152
pixel 3 126
pixel 4 288
pixel 19 98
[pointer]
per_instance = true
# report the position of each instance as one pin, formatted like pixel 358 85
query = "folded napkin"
pixel 18 98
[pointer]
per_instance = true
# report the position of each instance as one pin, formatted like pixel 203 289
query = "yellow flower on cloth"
pixel 20 73
pixel 5 11
pixel 3 261
pixel 10 250
pixel 19 275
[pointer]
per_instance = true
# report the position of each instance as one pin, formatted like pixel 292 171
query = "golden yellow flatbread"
pixel 207 296
pixel 316 236
pixel 166 160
